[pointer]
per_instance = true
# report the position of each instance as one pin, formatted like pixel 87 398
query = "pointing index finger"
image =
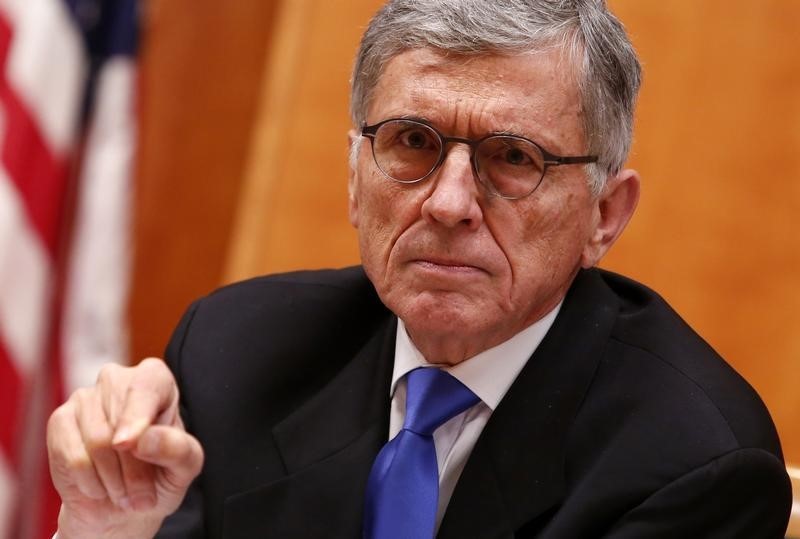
pixel 151 392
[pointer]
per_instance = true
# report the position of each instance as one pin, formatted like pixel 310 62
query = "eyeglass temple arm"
pixel 555 160
pixel 369 130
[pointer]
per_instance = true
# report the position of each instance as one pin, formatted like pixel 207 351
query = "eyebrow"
pixel 540 140
pixel 513 133
pixel 428 121
pixel 417 118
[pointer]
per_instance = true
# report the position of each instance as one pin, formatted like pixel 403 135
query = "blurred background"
pixel 151 152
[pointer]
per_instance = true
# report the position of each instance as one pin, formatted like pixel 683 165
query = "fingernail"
pixel 121 436
pixel 128 431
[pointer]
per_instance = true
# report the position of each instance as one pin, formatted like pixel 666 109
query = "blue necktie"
pixel 403 486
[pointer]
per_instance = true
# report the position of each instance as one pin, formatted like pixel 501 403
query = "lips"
pixel 447 254
pixel 450 265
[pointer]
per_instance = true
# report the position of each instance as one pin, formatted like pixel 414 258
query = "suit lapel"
pixel 515 474
pixel 327 446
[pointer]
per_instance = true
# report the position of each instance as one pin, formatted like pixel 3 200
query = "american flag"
pixel 67 80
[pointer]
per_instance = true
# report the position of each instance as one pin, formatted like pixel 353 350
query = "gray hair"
pixel 609 74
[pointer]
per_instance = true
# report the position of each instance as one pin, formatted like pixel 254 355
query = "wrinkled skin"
pixel 119 455
pixel 463 269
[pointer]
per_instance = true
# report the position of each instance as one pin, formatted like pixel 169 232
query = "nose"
pixel 453 200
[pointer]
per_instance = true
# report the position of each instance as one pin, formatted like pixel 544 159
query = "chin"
pixel 443 314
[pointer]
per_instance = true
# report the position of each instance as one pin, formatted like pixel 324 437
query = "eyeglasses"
pixel 508 166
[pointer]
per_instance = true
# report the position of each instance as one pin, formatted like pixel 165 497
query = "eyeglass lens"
pixel 408 151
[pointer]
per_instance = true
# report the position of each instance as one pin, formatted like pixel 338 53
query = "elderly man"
pixel 563 401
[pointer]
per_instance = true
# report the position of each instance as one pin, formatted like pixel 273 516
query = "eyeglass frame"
pixel 550 159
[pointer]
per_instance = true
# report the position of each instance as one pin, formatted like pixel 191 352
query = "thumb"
pixel 176 453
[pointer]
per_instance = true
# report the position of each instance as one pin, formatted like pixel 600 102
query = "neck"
pixel 445 350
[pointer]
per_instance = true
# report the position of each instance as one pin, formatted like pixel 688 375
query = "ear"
pixel 353 139
pixel 614 208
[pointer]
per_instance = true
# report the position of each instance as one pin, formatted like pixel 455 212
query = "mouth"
pixel 447 266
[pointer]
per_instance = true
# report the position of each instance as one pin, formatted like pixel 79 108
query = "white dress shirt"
pixel 488 375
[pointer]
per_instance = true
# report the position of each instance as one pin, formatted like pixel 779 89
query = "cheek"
pixel 385 210
pixel 549 241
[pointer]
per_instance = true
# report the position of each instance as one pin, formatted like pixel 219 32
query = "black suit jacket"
pixel 624 423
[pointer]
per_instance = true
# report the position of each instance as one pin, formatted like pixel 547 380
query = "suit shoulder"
pixel 679 370
pixel 284 318
pixel 295 293
pixel 288 330
pixel 351 279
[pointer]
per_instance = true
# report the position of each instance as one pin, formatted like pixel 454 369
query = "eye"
pixel 417 138
pixel 516 156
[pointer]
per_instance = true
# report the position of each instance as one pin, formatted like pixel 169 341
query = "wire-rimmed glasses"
pixel 508 166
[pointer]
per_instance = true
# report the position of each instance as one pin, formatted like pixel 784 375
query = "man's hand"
pixel 119 455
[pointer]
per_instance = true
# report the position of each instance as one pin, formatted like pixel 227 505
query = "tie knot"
pixel 433 397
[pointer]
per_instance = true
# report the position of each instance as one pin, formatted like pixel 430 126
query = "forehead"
pixel 532 94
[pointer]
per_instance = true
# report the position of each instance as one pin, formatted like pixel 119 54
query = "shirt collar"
pixel 488 374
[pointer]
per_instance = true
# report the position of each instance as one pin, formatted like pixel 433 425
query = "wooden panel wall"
pixel 293 207
pixel 717 142
pixel 718 145
pixel 201 66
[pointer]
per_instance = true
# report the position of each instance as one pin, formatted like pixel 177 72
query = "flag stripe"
pixel 26 283
pixel 96 292
pixel 47 66
pixel 62 289
pixel 40 178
